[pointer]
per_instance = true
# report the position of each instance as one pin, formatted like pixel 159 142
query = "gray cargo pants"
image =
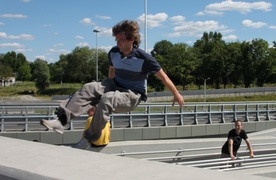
pixel 107 98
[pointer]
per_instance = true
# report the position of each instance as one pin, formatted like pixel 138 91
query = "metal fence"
pixel 209 157
pixel 26 117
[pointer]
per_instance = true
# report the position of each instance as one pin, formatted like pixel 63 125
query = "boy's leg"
pixel 81 101
pixel 111 101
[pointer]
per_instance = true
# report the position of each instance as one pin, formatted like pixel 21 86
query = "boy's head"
pixel 238 126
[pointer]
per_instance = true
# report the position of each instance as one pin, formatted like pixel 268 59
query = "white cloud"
pixel 1 23
pixel 229 5
pixel 83 44
pixel 58 45
pixel 19 16
pixel 55 33
pixel 230 38
pixel 47 25
pixel 196 28
pixel 40 57
pixel 26 1
pixel 177 19
pixel 51 60
pixel 105 48
pixel 23 50
pixel 87 21
pixel 21 36
pixel 249 23
pixel 61 51
pixel 152 20
pixel 103 17
pixel 272 27
pixel 11 45
pixel 79 37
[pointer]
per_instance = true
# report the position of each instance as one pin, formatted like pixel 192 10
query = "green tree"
pixel 5 71
pixel 180 63
pixel 41 75
pixel 103 64
pixel 161 52
pixel 260 51
pixel 272 59
pixel 211 49
pixel 247 64
pixel 153 81
pixel 78 67
pixel 24 72
pixel 234 66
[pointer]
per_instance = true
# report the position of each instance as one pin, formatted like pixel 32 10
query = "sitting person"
pixel 105 136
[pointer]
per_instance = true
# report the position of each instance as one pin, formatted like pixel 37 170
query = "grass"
pixel 28 88
pixel 269 97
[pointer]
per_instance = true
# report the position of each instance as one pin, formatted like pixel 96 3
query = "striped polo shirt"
pixel 132 71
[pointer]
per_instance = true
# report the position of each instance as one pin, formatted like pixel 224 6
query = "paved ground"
pixel 29 160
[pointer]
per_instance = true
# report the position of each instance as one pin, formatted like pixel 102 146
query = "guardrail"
pixel 264 157
pixel 210 158
pixel 26 117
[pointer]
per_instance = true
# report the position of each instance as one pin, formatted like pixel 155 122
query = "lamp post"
pixel 145 34
pixel 205 88
pixel 96 31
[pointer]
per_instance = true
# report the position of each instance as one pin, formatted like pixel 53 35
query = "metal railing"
pixel 265 155
pixel 26 117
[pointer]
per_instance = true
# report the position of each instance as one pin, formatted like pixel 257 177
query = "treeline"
pixel 209 59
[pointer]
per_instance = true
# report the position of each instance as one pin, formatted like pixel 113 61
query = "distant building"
pixel 8 81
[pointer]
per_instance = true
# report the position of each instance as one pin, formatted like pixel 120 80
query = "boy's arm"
pixel 169 84
pixel 111 72
pixel 249 148
pixel 230 148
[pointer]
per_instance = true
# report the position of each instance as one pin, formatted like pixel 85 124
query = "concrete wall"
pixel 144 133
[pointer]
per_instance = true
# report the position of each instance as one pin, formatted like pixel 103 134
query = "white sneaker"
pixel 82 144
pixel 54 124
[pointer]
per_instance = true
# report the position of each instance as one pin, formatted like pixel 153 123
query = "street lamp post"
pixel 205 88
pixel 145 34
pixel 96 31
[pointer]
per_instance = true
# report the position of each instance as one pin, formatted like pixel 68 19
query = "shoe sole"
pixel 50 128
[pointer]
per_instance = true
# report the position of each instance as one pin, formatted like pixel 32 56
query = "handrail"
pixel 180 150
pixel 145 115
pixel 263 157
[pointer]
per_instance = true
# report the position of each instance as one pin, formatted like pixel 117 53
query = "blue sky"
pixel 47 28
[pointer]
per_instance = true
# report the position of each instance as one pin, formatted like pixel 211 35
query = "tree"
pixel 211 49
pixel 41 75
pixel 260 51
pixel 180 60
pixel 247 64
pixel 233 57
pixel 5 71
pixel 256 66
pixel 103 64
pixel 161 52
pixel 24 72
pixel 153 81
pixel 272 59
pixel 78 67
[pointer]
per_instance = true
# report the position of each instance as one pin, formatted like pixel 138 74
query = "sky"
pixel 46 29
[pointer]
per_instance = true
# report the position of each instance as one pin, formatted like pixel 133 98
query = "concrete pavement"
pixel 27 160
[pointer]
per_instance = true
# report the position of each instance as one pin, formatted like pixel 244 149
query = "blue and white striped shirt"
pixel 132 71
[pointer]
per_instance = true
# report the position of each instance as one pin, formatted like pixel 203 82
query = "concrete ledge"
pixel 26 160
pixel 144 133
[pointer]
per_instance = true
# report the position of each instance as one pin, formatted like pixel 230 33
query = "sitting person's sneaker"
pixel 54 124
pixel 82 144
